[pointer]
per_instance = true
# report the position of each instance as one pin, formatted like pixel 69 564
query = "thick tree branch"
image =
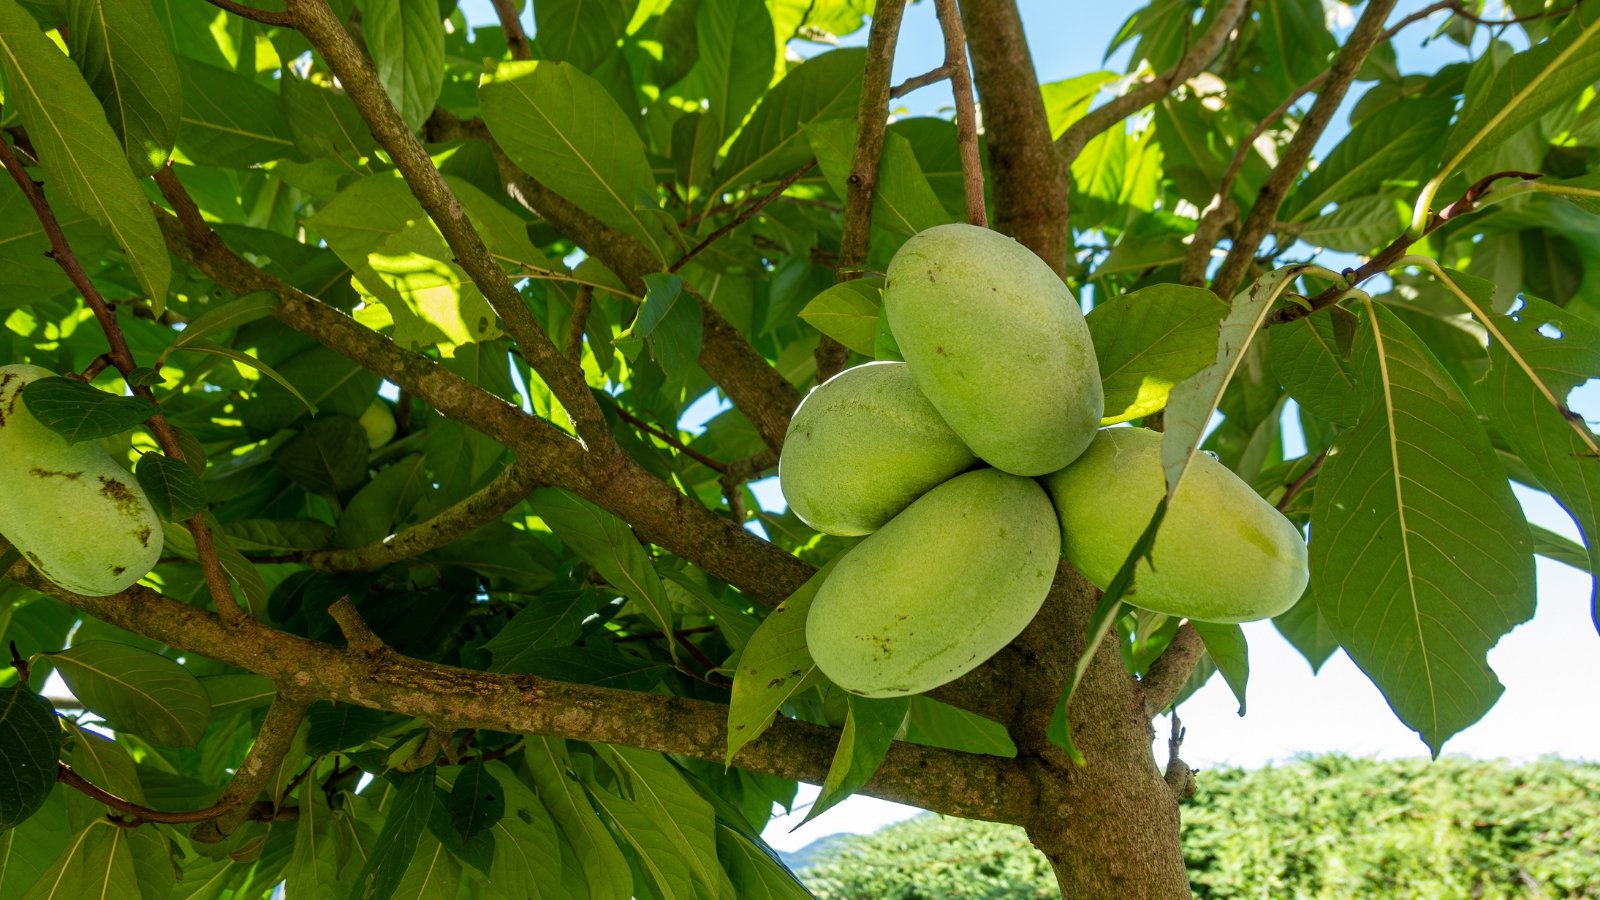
pixel 273 742
pixel 510 14
pixel 1264 211
pixel 955 60
pixel 1027 176
pixel 1171 670
pixel 1200 54
pixel 449 698
pixel 317 21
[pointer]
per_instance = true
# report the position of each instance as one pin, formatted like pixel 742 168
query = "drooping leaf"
pixel 581 32
pixel 736 57
pixel 774 667
pixel 81 155
pixel 756 872
pixel 403 826
pixel 79 412
pixel 477 801
pixel 136 691
pixel 527 847
pixel 406 40
pixel 1306 355
pixel 870 726
pixel 174 490
pixel 329 457
pixel 96 862
pixel 313 870
pixel 1306 630
pixel 119 47
pixel 903 202
pixel 1421 558
pixel 1148 341
pixel 1226 646
pixel 30 743
pixel 605 869
pixel 323 121
pixel 552 619
pixel 241 311
pixel 669 825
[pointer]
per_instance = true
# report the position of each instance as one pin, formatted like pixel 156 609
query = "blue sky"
pixel 1543 664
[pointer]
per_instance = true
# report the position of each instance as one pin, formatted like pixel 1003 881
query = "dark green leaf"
pixel 328 457
pixel 476 801
pixel 174 490
pixel 1387 146
pixel 604 868
pixel 249 308
pixel 406 40
pixel 869 727
pixel 1304 627
pixel 79 412
pixel 669 825
pixel 136 691
pixel 607 543
pixel 1226 645
pixel 736 56
pixel 903 201
pixel 773 143
pixel 552 619
pixel 405 820
pixel 581 32
pixel 123 55
pixel 774 667
pixel 1306 356
pixel 229 120
pixel 30 743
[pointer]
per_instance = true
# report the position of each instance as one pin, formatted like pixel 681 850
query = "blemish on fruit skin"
pixel 118 493
pixel 118 570
pixel 39 472
pixel 143 535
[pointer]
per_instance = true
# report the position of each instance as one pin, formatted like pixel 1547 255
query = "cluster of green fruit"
pixel 976 464
pixel 77 516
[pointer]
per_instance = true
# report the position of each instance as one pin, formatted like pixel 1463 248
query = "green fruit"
pixel 864 445
pixel 998 344
pixel 939 589
pixel 77 516
pixel 378 422
pixel 1223 554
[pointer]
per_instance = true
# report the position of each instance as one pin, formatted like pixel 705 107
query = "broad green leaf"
pixel 581 32
pixel 756 872
pixel 323 121
pixel 27 850
pixel 669 320
pixel 136 691
pixel 79 412
pixel 119 47
pixel 1358 226
pixel 406 41
pixel 527 848
pixel 229 120
pixel 1420 560
pixel 174 490
pixel 1307 358
pixel 476 801
pixel 1529 85
pixel 903 201
pixel 557 122
pixel 774 143
pixel 31 274
pixel 96 862
pixel 607 543
pixel 329 457
pixel 322 380
pixel 433 874
pixel 102 762
pixel 668 824
pixel 604 867
pixel 941 725
pixel 405 821
pixel 1562 549
pixel 249 308
pixel 1067 100
pixel 180 543
pixel 379 508
pixel 736 56
pixel 848 313
pixel 249 361
pixel 313 870
pixel 870 726
pixel 1385 147
pixel 1150 340
pixel 30 743
pixel 234 693
pixel 81 155
pixel 1226 646
pixel 1305 628
pixel 774 667
pixel 1584 190
pixel 554 618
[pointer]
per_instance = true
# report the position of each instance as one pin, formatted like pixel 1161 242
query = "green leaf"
pixel 1529 85
pixel 1357 226
pixel 229 120
pixel 96 862
pixel 1305 628
pixel 1583 190
pixel 668 824
pixel 1150 340
pixel 31 274
pixel 903 202
pixel 318 379
pixel 736 56
pixel 1420 559
pixel 81 155
pixel 249 308
pixel 235 693
pixel 554 618
pixel 527 847
pixel 79 412
pixel 670 321
pixel 870 726
pixel 313 870
pixel 555 120
pixel 476 801
pixel 119 47
pixel 379 509
pixel 30 743
pixel 1538 355
pixel 249 361
pixel 756 872
pixel 1067 100
pixel 406 819
pixel 1562 549
pixel 581 32
pixel 604 867
pixel 406 40
pixel 323 122
pixel 774 143
pixel 174 489
pixel 1226 645
pixel 607 543
pixel 774 667
pixel 1388 146
pixel 329 457
pixel 1306 356
pixel 938 724
pixel 848 313
pixel 136 691
pixel 29 849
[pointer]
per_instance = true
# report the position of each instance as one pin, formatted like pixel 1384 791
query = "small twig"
pixel 580 322
pixel 142 814
pixel 95 367
pixel 671 441
pixel 745 215
pixel 274 19
pixel 917 82
pixel 510 15
pixel 356 633
pixel 1222 213
pixel 1179 777
pixel 656 635
pixel 955 59
pixel 1296 486
pixel 18 662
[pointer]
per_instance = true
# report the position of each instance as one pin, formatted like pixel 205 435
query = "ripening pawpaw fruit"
pixel 998 344
pixel 862 446
pixel 941 588
pixel 73 513
pixel 1223 554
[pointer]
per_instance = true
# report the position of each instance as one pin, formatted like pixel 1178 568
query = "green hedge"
pixel 1322 827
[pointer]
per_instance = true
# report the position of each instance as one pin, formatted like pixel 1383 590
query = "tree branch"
pixel 1171 670
pixel 67 776
pixel 1028 177
pixel 1264 211
pixel 510 14
pixel 955 60
pixel 961 784
pixel 327 35
pixel 274 19
pixel 273 742
pixel 749 212
pixel 1078 135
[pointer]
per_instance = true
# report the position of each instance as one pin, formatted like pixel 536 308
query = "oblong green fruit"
pixel 862 446
pixel 938 590
pixel 1223 554
pixel 998 344
pixel 77 516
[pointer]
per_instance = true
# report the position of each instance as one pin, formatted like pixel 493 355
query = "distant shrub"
pixel 1321 828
